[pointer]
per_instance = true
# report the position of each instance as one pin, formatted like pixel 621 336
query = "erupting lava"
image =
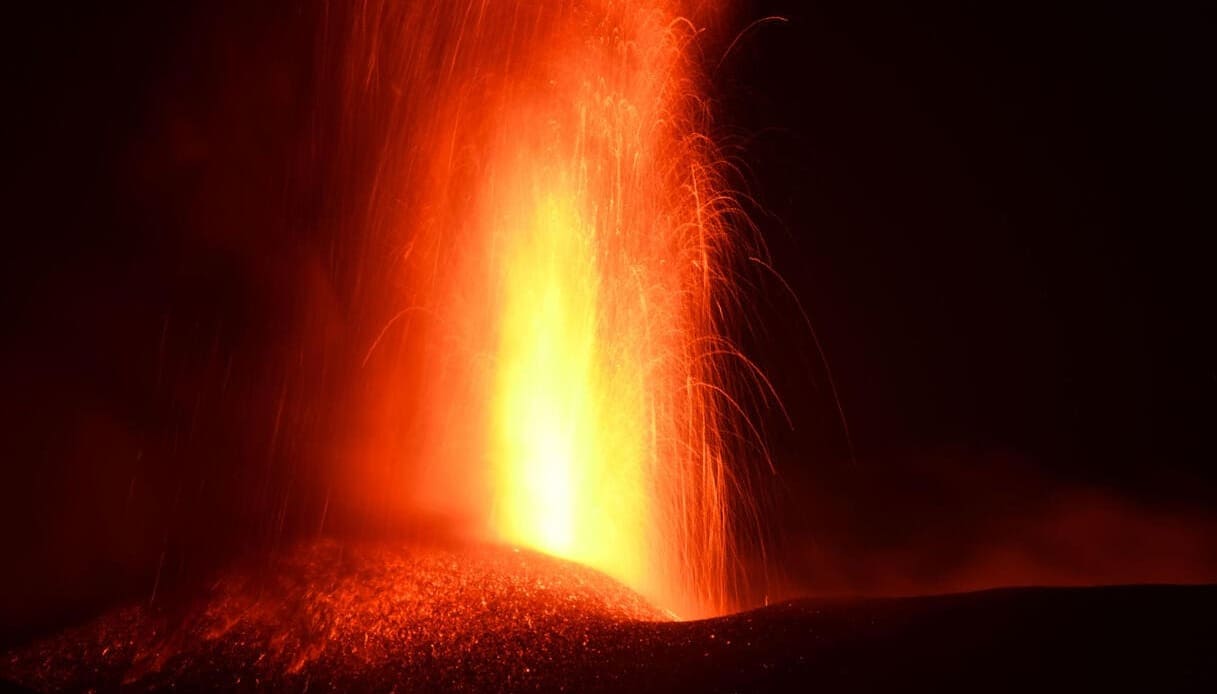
pixel 567 241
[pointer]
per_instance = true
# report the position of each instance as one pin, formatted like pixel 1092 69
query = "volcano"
pixel 384 616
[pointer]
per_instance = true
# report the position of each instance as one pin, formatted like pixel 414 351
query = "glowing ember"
pixel 348 617
pixel 566 227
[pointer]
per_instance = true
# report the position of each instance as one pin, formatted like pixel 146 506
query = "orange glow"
pixel 563 382
pixel 568 478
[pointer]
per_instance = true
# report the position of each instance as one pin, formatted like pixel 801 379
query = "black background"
pixel 996 216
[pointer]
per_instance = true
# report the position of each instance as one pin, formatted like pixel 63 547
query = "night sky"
pixel 997 219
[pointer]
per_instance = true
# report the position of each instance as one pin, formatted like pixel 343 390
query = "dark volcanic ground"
pixel 379 616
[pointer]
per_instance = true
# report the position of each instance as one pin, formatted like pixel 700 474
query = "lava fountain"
pixel 555 366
